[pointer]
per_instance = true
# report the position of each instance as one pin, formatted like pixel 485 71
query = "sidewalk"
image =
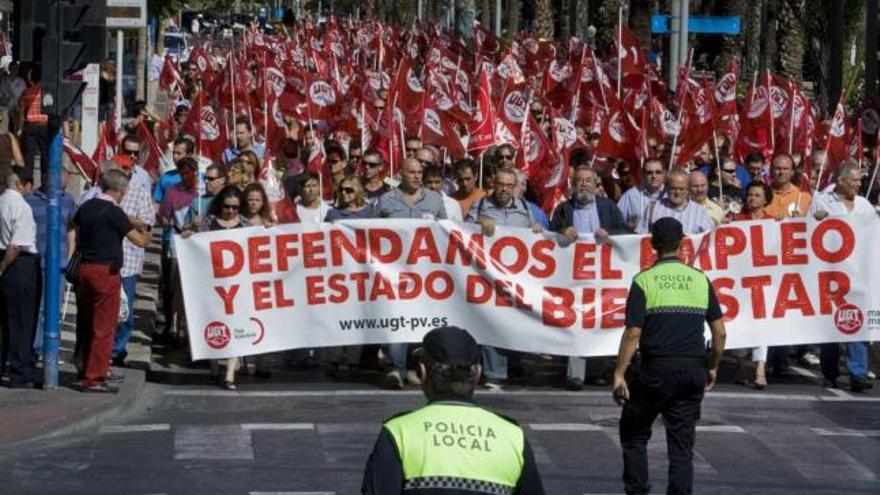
pixel 31 414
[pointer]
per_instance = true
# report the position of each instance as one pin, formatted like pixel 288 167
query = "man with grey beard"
pixel 586 213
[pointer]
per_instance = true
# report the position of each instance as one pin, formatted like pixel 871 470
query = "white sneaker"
pixel 871 375
pixel 412 378
pixel 810 358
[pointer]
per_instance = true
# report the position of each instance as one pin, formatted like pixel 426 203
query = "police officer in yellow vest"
pixel 666 312
pixel 451 446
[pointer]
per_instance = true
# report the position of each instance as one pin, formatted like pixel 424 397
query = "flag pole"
pixel 873 176
pixel 599 74
pixel 232 78
pixel 718 166
pixel 619 45
pixel 791 123
pixel 770 107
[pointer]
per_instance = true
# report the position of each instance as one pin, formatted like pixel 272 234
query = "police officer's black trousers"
pixel 675 391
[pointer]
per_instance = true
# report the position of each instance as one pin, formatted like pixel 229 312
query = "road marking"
pixel 564 427
pixel 212 442
pixel 845 432
pixel 803 372
pixel 813 456
pixel 657 450
pixel 277 426
pixel 840 393
pixel 134 428
pixel 721 428
pixel 710 397
pixel 292 493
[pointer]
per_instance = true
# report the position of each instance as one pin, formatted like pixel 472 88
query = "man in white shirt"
pixel 676 204
pixel 636 199
pixel 20 282
pixel 844 200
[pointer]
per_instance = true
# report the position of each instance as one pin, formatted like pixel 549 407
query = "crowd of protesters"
pixel 308 179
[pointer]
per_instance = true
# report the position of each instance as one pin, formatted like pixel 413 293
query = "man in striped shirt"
pixel 676 204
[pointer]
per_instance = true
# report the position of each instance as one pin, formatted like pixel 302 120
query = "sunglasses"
pixel 729 170
pixel 132 152
pixel 506 157
pixel 347 190
pixel 373 164
pixel 212 179
pixel 231 207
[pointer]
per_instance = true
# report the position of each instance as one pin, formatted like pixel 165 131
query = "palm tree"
pixel 544 24
pixel 514 8
pixel 790 37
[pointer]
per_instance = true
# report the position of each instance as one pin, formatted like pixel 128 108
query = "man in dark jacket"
pixel 586 213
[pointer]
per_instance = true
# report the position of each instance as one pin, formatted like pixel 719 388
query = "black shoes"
pixel 574 384
pixel 860 384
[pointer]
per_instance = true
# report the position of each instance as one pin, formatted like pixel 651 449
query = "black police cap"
pixel 667 231
pixel 450 345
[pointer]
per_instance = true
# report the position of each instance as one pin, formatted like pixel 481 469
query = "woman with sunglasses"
pixel 225 213
pixel 349 201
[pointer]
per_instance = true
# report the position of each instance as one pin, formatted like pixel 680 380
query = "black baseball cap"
pixel 667 231
pixel 450 345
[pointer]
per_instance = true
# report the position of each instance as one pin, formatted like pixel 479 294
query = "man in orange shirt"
pixel 788 199
pixel 466 178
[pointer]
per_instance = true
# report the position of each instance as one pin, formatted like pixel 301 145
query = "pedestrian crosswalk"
pixel 819 453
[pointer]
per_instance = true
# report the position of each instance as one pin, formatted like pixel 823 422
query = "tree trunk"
pixel 514 9
pixel 544 18
pixel 582 18
pixel 640 20
pixel 753 37
pixel 790 39
pixel 768 36
pixel 606 21
pixel 732 46
pixel 486 14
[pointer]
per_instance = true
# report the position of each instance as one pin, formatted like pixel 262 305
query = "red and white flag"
pixel 86 165
pixel 482 126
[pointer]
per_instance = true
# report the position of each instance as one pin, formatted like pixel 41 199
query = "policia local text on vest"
pixel 451 446
pixel 666 312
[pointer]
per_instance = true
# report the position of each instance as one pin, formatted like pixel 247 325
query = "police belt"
pixel 671 361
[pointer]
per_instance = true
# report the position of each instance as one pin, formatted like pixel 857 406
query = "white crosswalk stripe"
pixel 212 442
pixel 134 428
pixel 813 456
pixel 845 432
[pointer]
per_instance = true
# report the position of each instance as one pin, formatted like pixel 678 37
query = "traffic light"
pixel 29 27
pixel 75 37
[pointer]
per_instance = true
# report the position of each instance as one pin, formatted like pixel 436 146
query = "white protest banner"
pixel 256 290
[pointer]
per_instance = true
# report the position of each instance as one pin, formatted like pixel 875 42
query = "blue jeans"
pixel 494 363
pixel 123 331
pixel 397 353
pixel 856 360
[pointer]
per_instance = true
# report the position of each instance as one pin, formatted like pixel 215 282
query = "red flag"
pixel 726 117
pixel 536 151
pixel 203 62
pixel 512 110
pixel 482 127
pixel 754 136
pixel 87 166
pixel 207 130
pixel 169 78
pixel 837 146
pixel 151 157
pixel 440 131
pixel 620 135
pixel 632 60
pixel 558 84
pixel 696 121
pixel 321 99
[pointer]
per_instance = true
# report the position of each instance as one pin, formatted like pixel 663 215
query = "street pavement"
pixel 300 432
